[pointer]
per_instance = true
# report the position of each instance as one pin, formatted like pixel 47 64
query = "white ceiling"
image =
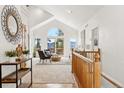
pixel 80 14
pixel 35 15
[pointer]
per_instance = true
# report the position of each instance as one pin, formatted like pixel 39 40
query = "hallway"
pixel 92 38
pixel 52 75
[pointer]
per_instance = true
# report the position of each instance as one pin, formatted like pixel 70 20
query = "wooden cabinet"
pixel 16 76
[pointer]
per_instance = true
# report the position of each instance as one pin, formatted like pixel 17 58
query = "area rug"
pixel 54 63
pixel 63 61
pixel 52 74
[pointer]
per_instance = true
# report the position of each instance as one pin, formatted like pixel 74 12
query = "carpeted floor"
pixel 55 74
pixel 54 63
pixel 63 61
pixel 51 73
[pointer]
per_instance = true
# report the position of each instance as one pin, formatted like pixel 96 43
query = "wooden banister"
pixel 112 81
pixel 89 54
pixel 86 71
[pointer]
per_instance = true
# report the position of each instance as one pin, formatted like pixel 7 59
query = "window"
pixel 55 32
pixel 55 41
pixel 38 43
pixel 72 43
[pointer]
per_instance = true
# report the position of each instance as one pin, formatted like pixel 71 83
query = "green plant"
pixel 26 52
pixel 11 53
pixel 34 52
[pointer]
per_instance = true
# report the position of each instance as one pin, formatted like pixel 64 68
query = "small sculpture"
pixel 19 50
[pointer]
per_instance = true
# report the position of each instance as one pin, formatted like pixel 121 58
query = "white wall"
pixel 110 20
pixel 7 46
pixel 69 32
pixel 4 44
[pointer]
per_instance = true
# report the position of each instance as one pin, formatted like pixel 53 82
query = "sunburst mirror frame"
pixel 11 10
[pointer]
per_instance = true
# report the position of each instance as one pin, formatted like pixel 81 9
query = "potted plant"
pixel 26 52
pixel 34 52
pixel 11 54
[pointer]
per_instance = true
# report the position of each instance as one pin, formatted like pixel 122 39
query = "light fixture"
pixel 69 11
pixel 27 5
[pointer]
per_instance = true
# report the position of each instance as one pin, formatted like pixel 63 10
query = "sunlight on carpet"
pixel 52 74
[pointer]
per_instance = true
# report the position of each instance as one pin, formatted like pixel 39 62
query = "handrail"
pixel 89 54
pixel 90 51
pixel 112 81
pixel 82 57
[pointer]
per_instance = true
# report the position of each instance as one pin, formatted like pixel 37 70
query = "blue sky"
pixel 53 32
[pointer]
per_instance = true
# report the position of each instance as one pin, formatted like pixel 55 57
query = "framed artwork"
pixel 95 37
pixel 83 39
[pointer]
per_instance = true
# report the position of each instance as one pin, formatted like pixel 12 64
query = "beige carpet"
pixel 52 74
pixel 63 61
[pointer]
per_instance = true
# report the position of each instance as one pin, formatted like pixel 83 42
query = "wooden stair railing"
pixel 87 71
pixel 112 81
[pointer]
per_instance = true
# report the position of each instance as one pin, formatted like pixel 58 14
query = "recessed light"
pixel 69 11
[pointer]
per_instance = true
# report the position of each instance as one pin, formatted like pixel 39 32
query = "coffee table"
pixel 55 58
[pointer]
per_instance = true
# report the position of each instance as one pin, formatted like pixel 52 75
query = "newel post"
pixel 97 71
pixel 97 57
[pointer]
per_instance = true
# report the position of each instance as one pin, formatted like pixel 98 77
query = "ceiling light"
pixel 69 11
pixel 27 5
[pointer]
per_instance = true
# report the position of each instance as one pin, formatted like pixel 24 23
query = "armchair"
pixel 43 56
pixel 47 52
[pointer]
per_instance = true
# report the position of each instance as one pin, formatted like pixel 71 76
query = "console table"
pixel 17 75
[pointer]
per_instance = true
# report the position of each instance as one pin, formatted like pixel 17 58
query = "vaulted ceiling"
pixel 72 15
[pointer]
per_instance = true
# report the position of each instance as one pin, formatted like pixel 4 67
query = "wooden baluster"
pixel 90 76
pixel 83 73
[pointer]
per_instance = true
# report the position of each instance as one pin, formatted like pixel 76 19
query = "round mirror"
pixel 12 25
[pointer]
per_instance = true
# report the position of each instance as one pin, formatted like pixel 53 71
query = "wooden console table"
pixel 17 75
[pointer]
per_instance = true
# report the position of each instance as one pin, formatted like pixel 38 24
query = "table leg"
pixel 0 76
pixel 16 76
pixel 31 71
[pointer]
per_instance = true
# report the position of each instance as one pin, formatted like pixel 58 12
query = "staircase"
pixel 86 68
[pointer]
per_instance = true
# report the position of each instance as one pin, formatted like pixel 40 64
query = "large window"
pixel 38 43
pixel 55 41
pixel 55 32
pixel 37 46
pixel 72 43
